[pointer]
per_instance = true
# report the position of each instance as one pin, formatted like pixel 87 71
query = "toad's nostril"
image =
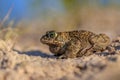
pixel 41 39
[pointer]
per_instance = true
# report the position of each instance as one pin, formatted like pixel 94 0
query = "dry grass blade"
pixel 8 39
pixel 6 17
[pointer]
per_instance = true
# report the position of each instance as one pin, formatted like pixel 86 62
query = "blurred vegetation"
pixel 72 8
pixel 65 14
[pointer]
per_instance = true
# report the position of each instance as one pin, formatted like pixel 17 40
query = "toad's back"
pixel 81 35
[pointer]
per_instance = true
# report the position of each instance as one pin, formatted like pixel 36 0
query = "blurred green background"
pixel 62 15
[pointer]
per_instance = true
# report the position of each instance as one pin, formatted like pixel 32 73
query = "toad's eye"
pixel 52 34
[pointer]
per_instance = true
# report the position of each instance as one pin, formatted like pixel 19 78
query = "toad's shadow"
pixel 35 53
pixel 109 53
pixel 117 47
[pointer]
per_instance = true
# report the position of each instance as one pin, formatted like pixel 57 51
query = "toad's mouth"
pixel 51 42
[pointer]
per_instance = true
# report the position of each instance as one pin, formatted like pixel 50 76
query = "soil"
pixel 26 62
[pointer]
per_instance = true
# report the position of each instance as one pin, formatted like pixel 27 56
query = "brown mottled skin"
pixel 73 44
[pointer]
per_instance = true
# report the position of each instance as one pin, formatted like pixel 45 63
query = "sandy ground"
pixel 25 62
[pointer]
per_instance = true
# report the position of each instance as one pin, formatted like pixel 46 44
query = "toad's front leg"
pixel 71 49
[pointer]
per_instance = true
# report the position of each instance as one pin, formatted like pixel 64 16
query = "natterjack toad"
pixel 73 44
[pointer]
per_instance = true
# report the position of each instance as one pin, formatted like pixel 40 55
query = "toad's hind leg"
pixel 71 49
pixel 99 42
